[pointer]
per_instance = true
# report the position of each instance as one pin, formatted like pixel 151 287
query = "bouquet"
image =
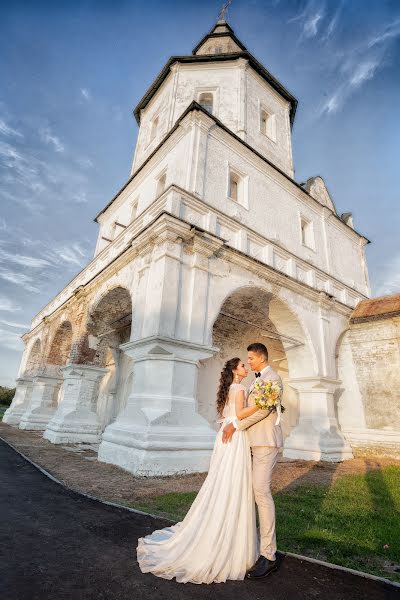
pixel 268 397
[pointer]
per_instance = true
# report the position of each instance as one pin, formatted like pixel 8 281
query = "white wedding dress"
pixel 217 540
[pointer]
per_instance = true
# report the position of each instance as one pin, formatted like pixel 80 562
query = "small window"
pixel 154 129
pixel 218 50
pixel 206 100
pixel 234 184
pixel 267 124
pixel 161 184
pixel 307 235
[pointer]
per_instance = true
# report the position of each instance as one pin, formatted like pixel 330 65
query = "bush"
pixel 6 395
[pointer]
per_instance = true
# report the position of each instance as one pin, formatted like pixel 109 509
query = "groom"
pixel 265 441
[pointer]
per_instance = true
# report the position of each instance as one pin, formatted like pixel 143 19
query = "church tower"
pixel 210 245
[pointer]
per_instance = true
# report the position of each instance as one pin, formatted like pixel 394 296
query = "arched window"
pixel 206 100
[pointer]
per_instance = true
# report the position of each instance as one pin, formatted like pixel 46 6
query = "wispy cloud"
pixel 10 340
pixel 391 31
pixel 358 65
pixel 85 94
pixel 310 19
pixel 19 279
pixel 49 138
pixel 24 261
pixel 7 130
pixel 8 305
pixel 390 278
pixel 14 324
pixel 72 254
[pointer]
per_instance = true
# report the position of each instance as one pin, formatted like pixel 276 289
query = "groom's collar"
pixel 264 370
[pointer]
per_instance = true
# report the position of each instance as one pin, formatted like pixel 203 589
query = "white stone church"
pixel 210 245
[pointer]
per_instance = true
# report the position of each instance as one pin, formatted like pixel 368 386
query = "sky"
pixel 72 72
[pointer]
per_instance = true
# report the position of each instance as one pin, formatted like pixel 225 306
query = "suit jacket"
pixel 260 426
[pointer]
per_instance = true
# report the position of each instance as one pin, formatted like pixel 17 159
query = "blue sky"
pixel 72 72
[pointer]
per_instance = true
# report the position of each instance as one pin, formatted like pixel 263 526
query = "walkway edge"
pixel 158 517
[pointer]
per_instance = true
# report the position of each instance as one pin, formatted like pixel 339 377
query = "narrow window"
pixel 154 128
pixel 161 184
pixel 234 189
pixel 267 124
pixel 307 233
pixel 206 101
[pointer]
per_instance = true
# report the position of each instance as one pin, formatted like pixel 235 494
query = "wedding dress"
pixel 217 540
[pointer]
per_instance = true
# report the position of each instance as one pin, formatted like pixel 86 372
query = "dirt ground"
pixel 77 466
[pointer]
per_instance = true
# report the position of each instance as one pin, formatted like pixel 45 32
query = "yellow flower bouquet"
pixel 268 397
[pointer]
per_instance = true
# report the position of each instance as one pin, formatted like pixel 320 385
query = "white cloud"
pixel 80 198
pixel 10 340
pixel 24 261
pixel 19 279
pixel 13 324
pixel 310 27
pixel 49 138
pixel 390 31
pixel 363 72
pixel 8 305
pixel 85 94
pixel 72 254
pixel 390 278
pixel 7 130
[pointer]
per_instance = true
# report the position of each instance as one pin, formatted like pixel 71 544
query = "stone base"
pixel 311 444
pixel 36 421
pixel 20 403
pixel 43 404
pixel 75 420
pixel 374 442
pixel 159 451
pixel 73 429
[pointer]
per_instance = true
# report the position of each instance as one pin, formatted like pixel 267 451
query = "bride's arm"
pixel 242 412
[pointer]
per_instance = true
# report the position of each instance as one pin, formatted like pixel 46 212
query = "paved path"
pixel 56 544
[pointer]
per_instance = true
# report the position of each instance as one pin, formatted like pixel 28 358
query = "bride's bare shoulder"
pixel 237 387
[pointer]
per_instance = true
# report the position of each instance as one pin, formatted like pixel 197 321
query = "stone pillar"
pixel 76 420
pixel 317 435
pixel 20 402
pixel 43 402
pixel 160 432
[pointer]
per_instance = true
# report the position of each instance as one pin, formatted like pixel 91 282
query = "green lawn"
pixel 348 523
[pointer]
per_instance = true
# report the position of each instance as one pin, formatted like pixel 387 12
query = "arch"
pixel 249 313
pixel 113 302
pixel 34 357
pixel 60 348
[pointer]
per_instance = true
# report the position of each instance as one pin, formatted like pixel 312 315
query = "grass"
pixel 349 523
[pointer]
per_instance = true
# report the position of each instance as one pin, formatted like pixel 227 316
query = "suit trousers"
pixel 264 461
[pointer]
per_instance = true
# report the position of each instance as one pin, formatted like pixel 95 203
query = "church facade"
pixel 210 245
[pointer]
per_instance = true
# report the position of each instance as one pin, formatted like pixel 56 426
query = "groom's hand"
pixel 227 433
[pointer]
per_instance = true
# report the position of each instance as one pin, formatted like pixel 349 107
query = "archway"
pixel 109 325
pixel 251 314
pixel 34 358
pixel 60 348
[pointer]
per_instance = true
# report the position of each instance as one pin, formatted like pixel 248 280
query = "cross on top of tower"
pixel 224 10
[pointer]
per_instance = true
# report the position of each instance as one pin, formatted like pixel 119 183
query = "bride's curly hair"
pixel 225 381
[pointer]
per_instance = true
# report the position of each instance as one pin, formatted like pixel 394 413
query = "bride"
pixel 217 540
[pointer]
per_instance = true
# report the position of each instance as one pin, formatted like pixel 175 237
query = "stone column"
pixel 317 435
pixel 160 432
pixel 76 420
pixel 20 402
pixel 43 402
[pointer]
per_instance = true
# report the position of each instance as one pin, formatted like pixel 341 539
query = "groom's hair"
pixel 258 348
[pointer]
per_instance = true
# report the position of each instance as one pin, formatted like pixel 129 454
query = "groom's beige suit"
pixel 266 440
